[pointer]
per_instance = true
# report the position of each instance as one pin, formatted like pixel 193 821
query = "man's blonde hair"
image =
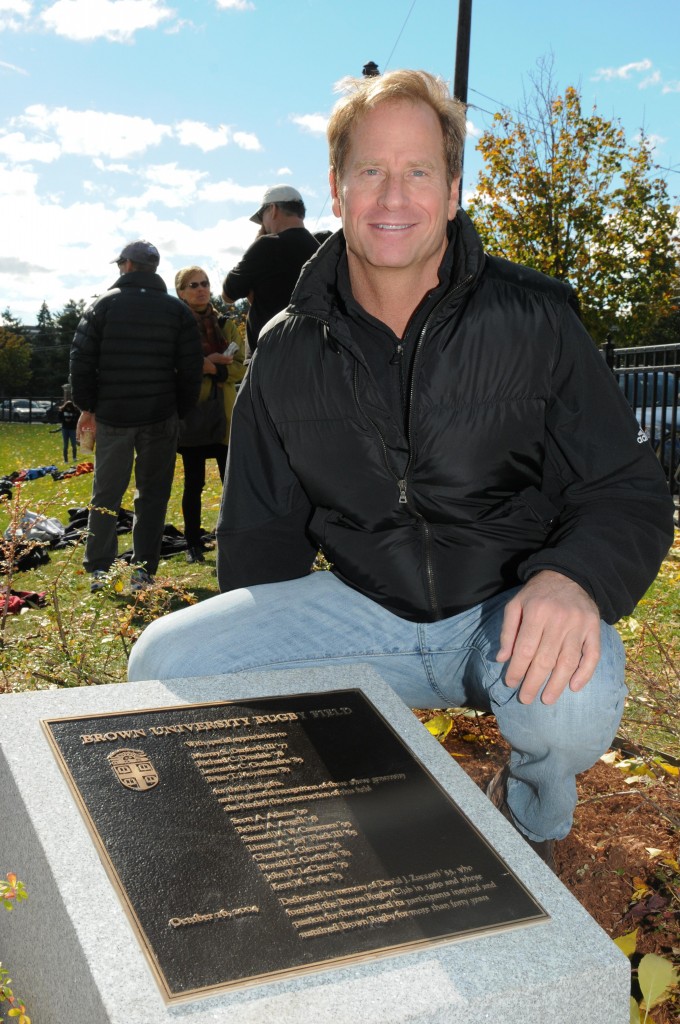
pixel 364 94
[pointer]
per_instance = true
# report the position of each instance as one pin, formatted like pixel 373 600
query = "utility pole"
pixel 460 79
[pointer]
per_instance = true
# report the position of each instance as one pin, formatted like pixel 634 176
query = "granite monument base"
pixel 75 956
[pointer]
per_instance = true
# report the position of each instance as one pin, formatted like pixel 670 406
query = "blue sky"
pixel 166 120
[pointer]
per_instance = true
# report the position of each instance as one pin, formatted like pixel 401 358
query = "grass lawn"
pixel 79 638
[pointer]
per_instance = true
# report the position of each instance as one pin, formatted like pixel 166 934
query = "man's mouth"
pixel 392 227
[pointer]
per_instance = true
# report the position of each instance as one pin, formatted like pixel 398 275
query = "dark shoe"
pixel 194 555
pixel 140 580
pixel 97 580
pixel 497 791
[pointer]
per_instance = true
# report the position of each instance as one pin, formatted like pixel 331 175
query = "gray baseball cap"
pixel 139 252
pixel 277 194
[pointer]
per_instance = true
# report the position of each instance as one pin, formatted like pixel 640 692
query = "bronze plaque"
pixel 254 840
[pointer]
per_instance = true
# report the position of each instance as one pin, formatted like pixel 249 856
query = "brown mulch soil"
pixel 610 861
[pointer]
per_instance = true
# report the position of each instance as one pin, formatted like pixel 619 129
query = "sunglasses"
pixel 199 284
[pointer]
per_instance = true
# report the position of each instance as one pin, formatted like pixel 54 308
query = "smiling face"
pixel 393 196
pixel 196 291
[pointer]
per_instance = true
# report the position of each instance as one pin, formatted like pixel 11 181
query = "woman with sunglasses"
pixel 223 354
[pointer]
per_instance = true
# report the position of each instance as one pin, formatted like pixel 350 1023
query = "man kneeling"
pixel 438 421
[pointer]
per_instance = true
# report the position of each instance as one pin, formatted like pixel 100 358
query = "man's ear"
pixel 332 181
pixel 453 198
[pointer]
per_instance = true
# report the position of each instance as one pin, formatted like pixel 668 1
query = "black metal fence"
pixel 29 410
pixel 649 377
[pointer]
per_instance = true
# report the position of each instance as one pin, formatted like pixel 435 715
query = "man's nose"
pixel 393 194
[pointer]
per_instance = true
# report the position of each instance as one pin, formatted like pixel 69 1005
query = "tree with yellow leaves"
pixel 565 193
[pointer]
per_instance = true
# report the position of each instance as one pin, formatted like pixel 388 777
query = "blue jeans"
pixel 68 434
pixel 318 620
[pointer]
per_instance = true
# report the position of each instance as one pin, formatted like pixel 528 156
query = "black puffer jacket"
pixel 522 454
pixel 136 355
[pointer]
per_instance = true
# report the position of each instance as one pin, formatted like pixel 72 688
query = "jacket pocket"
pixel 540 507
pixel 317 525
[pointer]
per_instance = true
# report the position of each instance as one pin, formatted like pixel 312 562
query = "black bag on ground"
pixel 206 423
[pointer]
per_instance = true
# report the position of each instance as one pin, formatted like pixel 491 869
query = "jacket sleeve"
pixel 84 361
pixel 241 280
pixel 261 530
pixel 188 364
pixel 615 521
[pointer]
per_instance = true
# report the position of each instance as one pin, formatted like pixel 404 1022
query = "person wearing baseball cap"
pixel 139 252
pixel 136 369
pixel 269 269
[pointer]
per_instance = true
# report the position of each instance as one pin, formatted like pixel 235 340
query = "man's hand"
pixel 86 421
pixel 550 628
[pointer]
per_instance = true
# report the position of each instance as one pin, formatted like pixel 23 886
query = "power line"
pixel 387 62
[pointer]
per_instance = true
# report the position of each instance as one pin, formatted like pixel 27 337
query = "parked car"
pixel 23 410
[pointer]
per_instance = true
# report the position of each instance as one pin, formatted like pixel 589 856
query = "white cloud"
pixel 471 131
pixel 113 168
pixel 247 140
pixel 44 133
pixel 653 79
pixel 651 141
pixel 625 71
pixel 671 87
pixel 228 191
pixel 195 133
pixel 16 182
pixel 283 172
pixel 170 186
pixel 12 67
pixel 77 242
pixel 315 124
pixel 17 148
pixel 16 9
pixel 174 176
pixel 92 133
pixel 115 20
pixel 235 5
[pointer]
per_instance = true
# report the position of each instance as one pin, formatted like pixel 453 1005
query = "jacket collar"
pixel 316 291
pixel 140 279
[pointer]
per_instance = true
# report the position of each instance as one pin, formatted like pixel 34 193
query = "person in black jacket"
pixel 136 368
pixel 439 423
pixel 267 271
pixel 67 415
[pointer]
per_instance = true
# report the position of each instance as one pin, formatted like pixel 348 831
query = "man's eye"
pixel 371 172
pixel 418 173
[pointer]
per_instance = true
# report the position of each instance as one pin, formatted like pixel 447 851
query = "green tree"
pixel 7 319
pixel 562 191
pixel 43 346
pixel 65 323
pixel 15 362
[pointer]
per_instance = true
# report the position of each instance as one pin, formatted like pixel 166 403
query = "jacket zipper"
pixel 403 497
pixel 402 482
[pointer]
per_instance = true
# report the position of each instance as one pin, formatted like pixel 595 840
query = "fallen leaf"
pixel 655 978
pixel 627 943
pixel 440 726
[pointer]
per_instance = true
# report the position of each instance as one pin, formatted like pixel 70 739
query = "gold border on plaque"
pixel 171 998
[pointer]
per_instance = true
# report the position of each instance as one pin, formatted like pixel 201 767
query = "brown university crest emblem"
pixel 133 769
